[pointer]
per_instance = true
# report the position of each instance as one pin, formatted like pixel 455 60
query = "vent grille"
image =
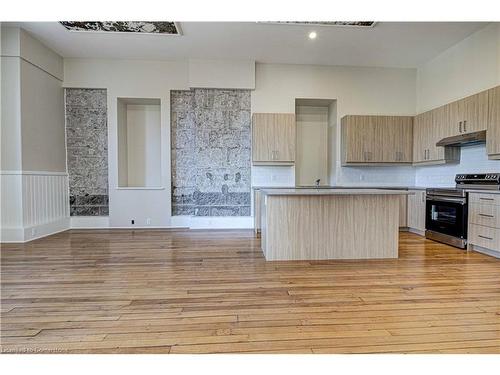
pixel 327 23
pixel 142 27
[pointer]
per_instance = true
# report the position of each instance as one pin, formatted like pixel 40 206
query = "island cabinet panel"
pixel 273 138
pixel 312 227
pixel 372 140
pixel 493 129
pixel 416 211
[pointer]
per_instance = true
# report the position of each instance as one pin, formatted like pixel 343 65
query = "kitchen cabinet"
pixel 484 223
pixel 471 113
pixel 416 211
pixel 403 211
pixel 256 210
pixel 429 128
pixel 376 140
pixel 273 138
pixel 493 129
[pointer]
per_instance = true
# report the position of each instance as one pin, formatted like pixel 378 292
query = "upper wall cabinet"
pixel 429 128
pixel 273 138
pixel 370 140
pixel 470 114
pixel 493 130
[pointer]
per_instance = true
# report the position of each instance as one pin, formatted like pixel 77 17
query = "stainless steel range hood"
pixel 464 139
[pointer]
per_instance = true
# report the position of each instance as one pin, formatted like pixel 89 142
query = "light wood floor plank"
pixel 181 291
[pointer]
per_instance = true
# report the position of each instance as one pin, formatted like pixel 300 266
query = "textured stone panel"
pixel 211 152
pixel 87 149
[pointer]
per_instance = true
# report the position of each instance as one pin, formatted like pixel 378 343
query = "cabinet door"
pixel 396 137
pixel 262 135
pixel 437 131
pixel 454 118
pixel 273 138
pixel 474 112
pixel 416 210
pixel 358 138
pixel 421 130
pixel 283 138
pixel 493 130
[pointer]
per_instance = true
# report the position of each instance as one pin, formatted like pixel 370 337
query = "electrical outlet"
pixel 33 232
pixel 132 221
pixel 148 221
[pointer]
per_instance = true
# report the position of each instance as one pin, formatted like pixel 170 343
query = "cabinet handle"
pixel 486 238
pixel 460 127
pixel 423 197
pixel 277 155
pixel 486 199
pixel 465 123
pixel 485 215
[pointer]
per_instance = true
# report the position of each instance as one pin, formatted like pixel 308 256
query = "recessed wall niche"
pixel 139 143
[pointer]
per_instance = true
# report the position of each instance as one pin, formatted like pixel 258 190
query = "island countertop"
pixel 294 191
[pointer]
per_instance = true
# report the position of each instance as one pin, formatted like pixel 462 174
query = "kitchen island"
pixel 314 224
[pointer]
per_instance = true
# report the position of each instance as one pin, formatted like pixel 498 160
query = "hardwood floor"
pixel 163 291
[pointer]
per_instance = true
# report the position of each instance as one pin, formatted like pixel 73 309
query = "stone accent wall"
pixel 87 151
pixel 210 152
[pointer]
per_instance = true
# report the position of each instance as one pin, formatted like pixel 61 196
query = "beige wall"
pixel 33 131
pixel 42 121
pixel 10 130
pixel 468 67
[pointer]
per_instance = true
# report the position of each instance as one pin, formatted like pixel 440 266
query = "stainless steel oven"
pixel 446 209
pixel 446 216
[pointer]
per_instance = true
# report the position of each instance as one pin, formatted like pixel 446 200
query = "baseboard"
pixel 416 231
pixel 12 235
pixel 20 235
pixel 89 222
pixel 484 251
pixel 213 222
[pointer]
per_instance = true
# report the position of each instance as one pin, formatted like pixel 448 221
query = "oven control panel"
pixel 478 179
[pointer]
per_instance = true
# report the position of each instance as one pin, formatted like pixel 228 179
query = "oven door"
pixel 447 216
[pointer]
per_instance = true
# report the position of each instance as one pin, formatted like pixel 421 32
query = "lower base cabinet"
pixel 484 223
pixel 416 211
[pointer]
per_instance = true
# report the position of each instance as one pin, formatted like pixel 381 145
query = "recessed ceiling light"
pixel 313 35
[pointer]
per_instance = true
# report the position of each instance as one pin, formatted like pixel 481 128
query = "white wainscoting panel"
pixel 39 205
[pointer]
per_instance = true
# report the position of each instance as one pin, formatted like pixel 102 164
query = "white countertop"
pixel 262 187
pixel 299 191
pixel 482 191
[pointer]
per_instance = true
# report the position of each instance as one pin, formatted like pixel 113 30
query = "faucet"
pixel 317 182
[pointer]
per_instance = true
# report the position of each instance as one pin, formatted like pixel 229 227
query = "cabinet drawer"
pixel 485 214
pixel 484 198
pixel 486 237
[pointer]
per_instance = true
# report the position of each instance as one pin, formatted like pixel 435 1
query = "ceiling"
pixel 391 44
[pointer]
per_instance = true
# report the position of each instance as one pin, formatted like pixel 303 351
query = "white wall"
pixel 34 184
pixel 357 90
pixel 312 145
pixel 468 67
pixel 229 74
pixel 133 79
pixel 144 145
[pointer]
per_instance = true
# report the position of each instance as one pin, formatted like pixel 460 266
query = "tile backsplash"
pixel 473 159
